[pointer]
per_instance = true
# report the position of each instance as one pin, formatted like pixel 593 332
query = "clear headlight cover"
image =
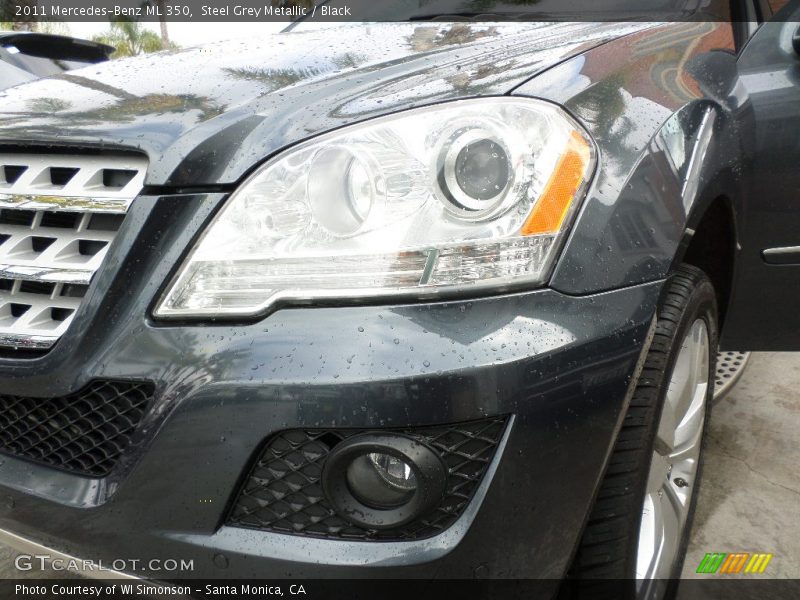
pixel 471 194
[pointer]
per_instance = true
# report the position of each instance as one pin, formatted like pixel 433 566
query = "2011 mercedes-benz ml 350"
pixel 431 299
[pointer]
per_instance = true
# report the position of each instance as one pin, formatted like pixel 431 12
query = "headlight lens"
pixel 473 193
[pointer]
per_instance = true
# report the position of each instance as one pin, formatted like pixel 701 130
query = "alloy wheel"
pixel 671 481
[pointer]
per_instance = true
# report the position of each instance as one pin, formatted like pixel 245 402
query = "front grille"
pixel 84 433
pixel 58 217
pixel 283 491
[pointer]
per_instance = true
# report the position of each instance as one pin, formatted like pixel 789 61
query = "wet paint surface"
pixel 208 115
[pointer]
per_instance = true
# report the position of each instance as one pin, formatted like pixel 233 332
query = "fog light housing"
pixel 383 480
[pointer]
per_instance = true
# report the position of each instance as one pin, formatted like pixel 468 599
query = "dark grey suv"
pixel 404 300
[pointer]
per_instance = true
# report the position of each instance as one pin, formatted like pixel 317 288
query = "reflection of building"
pixel 423 39
pixel 448 323
pixel 658 71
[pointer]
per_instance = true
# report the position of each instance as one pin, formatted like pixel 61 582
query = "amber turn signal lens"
pixel 562 188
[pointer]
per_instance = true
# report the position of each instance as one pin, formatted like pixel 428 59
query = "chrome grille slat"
pixel 63 203
pixel 59 215
pixel 86 184
pixel 63 251
pixel 56 275
pixel 35 327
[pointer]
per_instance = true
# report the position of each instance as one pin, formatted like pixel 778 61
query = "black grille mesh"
pixel 283 492
pixel 84 433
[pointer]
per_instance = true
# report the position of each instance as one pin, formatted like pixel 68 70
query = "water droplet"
pixel 221 561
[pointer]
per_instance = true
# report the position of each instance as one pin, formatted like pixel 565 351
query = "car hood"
pixel 205 116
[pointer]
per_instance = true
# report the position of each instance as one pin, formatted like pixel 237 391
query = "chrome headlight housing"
pixel 471 194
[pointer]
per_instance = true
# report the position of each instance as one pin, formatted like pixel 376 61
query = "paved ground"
pixel 750 497
pixel 8 571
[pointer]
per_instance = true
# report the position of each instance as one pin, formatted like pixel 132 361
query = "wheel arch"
pixel 710 243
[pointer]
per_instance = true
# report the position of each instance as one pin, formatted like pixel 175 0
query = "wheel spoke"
pixel 679 384
pixel 691 421
pixel 665 436
pixel 689 448
pixel 672 518
pixel 659 469
pixel 651 535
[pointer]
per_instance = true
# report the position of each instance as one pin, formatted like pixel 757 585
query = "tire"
pixel 608 551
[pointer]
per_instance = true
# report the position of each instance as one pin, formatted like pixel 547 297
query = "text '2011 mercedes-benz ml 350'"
pixel 429 299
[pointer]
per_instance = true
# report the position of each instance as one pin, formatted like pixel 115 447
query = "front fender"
pixel 662 108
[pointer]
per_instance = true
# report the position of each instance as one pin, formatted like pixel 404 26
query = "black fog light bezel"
pixel 426 464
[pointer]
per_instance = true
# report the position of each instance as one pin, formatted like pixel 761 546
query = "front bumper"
pixel 560 365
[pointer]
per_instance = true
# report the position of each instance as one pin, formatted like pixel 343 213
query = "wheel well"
pixel 712 250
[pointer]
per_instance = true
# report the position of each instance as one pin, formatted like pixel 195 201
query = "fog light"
pixel 383 480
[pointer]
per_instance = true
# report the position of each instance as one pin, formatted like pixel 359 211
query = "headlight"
pixel 472 194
